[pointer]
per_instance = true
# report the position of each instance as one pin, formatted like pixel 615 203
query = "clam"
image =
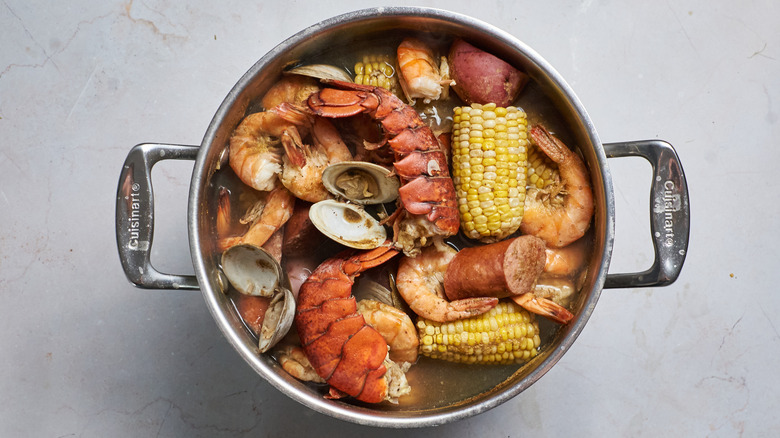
pixel 361 182
pixel 278 319
pixel 368 289
pixel 253 271
pixel 321 71
pixel 349 224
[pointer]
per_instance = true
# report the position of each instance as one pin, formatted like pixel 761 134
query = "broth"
pixel 434 383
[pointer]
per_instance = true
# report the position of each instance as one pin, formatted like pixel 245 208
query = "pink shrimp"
pixel 559 215
pixel 303 163
pixel 276 210
pixel 420 76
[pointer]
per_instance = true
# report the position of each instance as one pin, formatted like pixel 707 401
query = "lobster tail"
pixel 341 347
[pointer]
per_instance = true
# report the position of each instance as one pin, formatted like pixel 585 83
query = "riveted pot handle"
pixel 135 216
pixel 669 213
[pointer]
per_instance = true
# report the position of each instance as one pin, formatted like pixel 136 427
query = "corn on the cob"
pixel 506 334
pixel 542 171
pixel 378 71
pixel 489 161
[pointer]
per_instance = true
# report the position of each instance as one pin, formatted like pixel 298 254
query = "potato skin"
pixel 300 235
pixel 483 78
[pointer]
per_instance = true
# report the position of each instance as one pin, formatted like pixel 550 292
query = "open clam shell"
pixel 253 271
pixel 349 224
pixel 361 182
pixel 278 319
pixel 321 71
pixel 368 289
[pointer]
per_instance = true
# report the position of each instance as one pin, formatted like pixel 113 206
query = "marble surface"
pixel 86 354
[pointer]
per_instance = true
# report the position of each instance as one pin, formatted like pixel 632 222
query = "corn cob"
pixel 506 334
pixel 378 71
pixel 542 171
pixel 489 160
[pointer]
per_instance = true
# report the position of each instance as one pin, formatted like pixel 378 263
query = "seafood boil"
pixel 392 215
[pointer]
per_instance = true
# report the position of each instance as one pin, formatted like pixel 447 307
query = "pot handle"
pixel 135 215
pixel 669 213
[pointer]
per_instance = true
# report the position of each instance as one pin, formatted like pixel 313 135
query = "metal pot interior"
pixel 561 109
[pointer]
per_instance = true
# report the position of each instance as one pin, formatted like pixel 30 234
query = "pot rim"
pixel 268 368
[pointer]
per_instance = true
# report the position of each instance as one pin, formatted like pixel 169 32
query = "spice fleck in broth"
pixel 303 133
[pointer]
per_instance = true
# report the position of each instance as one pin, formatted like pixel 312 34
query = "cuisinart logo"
pixel 671 204
pixel 135 216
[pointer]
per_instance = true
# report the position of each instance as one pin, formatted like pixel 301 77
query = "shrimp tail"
pixel 294 147
pixel 276 212
pixel 544 307
pixel 549 144
pixel 294 114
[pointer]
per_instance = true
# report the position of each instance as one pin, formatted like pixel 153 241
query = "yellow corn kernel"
pixel 542 171
pixel 378 71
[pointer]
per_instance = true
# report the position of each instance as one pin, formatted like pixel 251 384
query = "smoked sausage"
pixel 500 269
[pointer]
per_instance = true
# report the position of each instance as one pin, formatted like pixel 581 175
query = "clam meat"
pixel 278 319
pixel 361 182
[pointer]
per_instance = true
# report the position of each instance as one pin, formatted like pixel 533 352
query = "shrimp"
pixel 294 89
pixel 254 153
pixel 560 290
pixel 276 210
pixel 566 261
pixel 303 164
pixel 294 361
pixel 420 281
pixel 395 326
pixel 561 213
pixel 554 288
pixel 543 306
pixel 420 76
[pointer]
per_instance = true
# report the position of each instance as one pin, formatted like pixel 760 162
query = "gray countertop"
pixel 84 353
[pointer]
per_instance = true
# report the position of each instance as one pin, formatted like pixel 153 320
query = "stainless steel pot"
pixel 669 208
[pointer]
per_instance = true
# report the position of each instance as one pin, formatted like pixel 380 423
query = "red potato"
pixel 501 269
pixel 483 78
pixel 274 244
pixel 300 235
